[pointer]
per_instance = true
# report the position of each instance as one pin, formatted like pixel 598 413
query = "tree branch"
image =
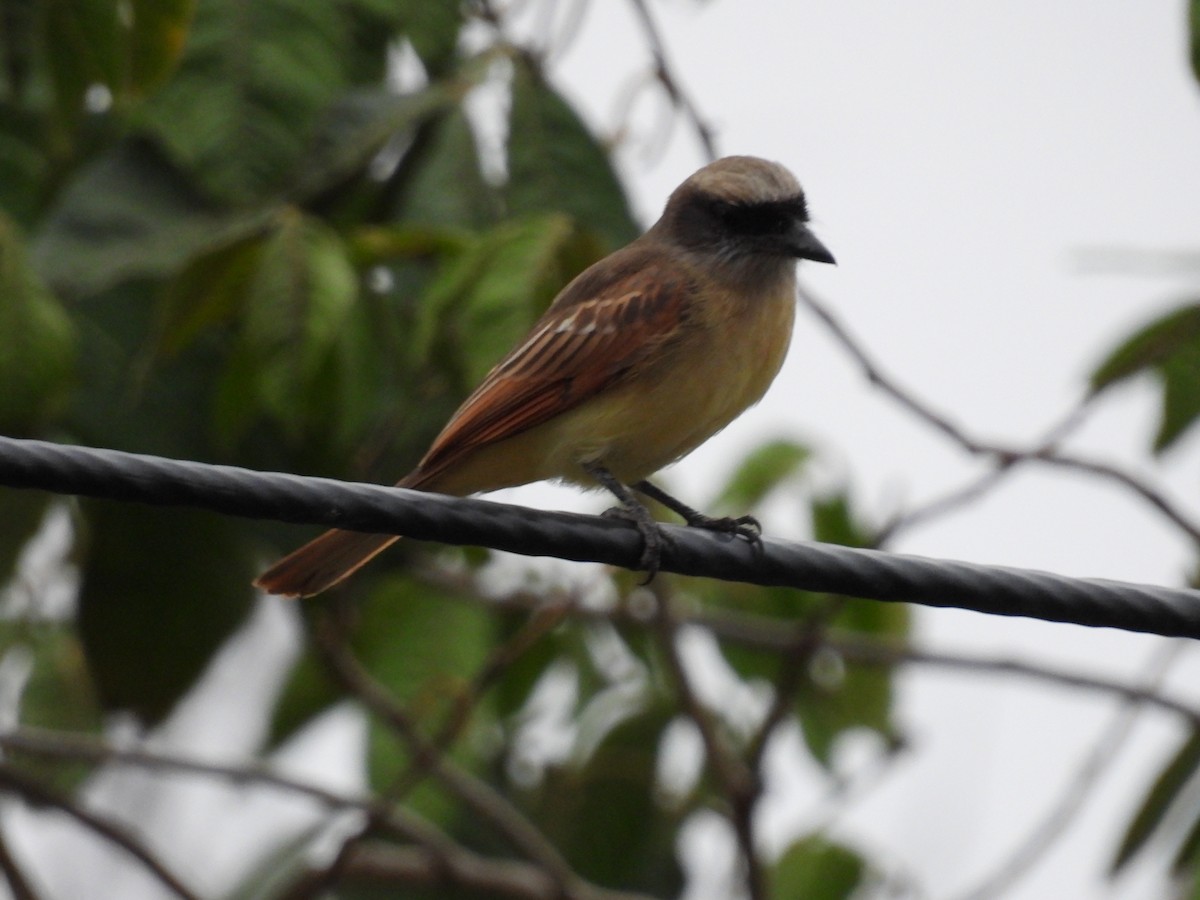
pixel 663 73
pixel 1003 457
pixel 740 785
pixel 480 797
pixel 37 794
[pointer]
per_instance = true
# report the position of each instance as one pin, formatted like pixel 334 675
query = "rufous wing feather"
pixel 598 330
pixel 578 349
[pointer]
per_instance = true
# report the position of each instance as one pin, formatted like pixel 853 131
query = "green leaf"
pixel 161 591
pixel 21 515
pixel 439 182
pixel 425 645
pixel 129 48
pixel 208 292
pixel 1188 853
pixel 131 214
pixel 253 80
pixel 296 361
pixel 158 34
pixel 24 164
pixel 1194 29
pixel 18 40
pixel 832 696
pixel 556 165
pixel 83 47
pixel 485 300
pixel 1170 347
pixel 127 399
pixel 37 341
pixel 604 814
pixel 833 522
pixel 431 26
pixel 814 868
pixel 835 697
pixel 761 472
pixel 356 127
pixel 58 693
pixel 1167 789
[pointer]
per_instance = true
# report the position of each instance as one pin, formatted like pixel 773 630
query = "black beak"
pixel 804 245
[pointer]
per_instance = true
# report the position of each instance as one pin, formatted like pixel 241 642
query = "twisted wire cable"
pixel 805 565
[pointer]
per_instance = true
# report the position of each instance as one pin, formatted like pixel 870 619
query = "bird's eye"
pixel 753 219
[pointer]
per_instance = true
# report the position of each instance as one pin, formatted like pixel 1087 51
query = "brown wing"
pixel 595 333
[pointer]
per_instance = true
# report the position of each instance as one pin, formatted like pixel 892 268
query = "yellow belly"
pixel 643 424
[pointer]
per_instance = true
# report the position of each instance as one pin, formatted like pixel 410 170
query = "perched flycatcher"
pixel 638 361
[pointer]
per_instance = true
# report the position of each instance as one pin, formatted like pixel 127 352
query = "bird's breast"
pixel 719 368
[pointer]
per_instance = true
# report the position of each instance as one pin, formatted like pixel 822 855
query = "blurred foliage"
pixel 1169 347
pixel 1194 28
pixel 1171 796
pixel 816 869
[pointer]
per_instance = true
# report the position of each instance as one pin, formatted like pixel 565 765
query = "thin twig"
pixel 65 745
pixel 389 865
pixel 973 490
pixel 1003 457
pixel 764 633
pixel 479 796
pixel 540 621
pixel 675 91
pixel 806 638
pixel 874 374
pixel 740 784
pixel 18 884
pixel 436 850
pixel 38 795
pixel 559 42
pixel 856 648
pixel 1151 495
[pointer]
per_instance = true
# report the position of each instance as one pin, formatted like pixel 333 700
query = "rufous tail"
pixel 323 562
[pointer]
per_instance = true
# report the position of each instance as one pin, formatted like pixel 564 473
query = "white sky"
pixel 960 161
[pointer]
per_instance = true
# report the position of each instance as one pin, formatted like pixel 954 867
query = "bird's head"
pixel 743 211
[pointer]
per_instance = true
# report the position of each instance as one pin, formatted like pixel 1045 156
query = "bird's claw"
pixel 746 527
pixel 653 538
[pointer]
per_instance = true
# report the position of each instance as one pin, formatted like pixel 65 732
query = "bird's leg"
pixel 743 526
pixel 632 510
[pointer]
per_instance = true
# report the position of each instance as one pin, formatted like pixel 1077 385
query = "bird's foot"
pixel 746 527
pixel 653 538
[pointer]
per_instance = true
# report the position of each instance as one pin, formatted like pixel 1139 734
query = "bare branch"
pixel 388 865
pixel 664 74
pixel 540 621
pixel 764 633
pixel 1151 495
pixel 740 784
pixel 1004 457
pixel 437 852
pixel 17 882
pixel 479 796
pixel 38 795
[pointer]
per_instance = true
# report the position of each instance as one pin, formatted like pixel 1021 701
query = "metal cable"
pixel 801 564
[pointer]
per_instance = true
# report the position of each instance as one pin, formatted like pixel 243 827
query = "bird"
pixel 639 359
